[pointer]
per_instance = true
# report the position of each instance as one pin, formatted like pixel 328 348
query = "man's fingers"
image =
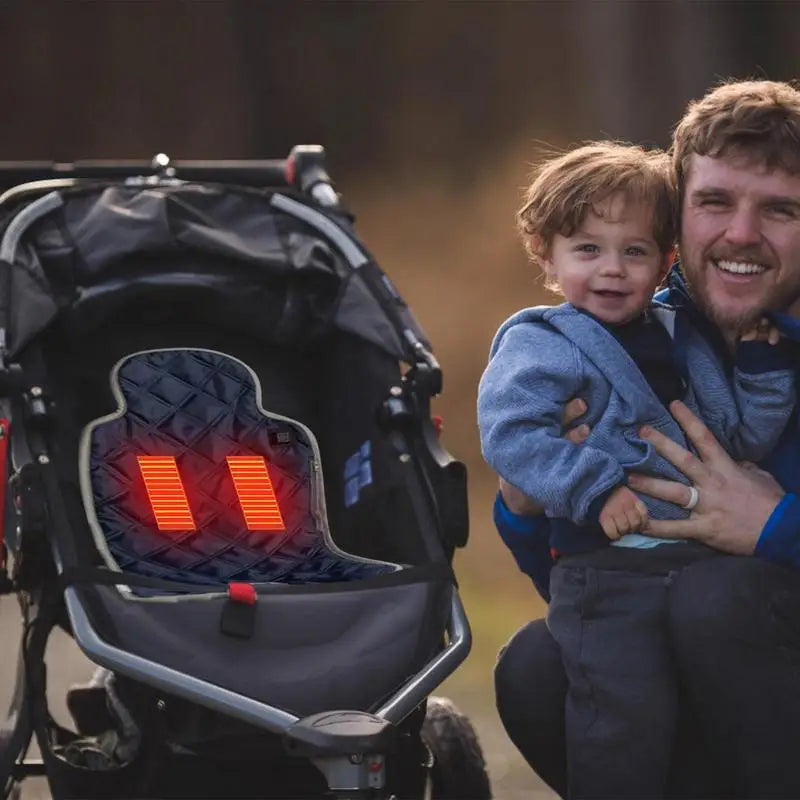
pixel 677 529
pixel 642 516
pixel 573 409
pixel 671 491
pixel 518 502
pixel 686 462
pixel 697 433
pixel 577 435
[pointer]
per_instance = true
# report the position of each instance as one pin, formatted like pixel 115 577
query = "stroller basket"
pixel 228 487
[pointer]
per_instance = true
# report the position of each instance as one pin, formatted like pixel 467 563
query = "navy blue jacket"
pixel 528 538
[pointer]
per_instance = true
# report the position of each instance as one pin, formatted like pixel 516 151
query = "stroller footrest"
pixel 337 733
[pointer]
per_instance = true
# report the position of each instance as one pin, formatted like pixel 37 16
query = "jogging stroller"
pixel 225 482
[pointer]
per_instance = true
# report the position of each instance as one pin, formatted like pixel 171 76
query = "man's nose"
pixel 743 227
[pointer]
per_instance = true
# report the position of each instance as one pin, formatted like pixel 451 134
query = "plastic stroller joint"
pixel 345 775
pixel 306 171
pixel 340 733
pixel 11 378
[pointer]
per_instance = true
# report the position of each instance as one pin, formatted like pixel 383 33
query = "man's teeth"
pixel 741 267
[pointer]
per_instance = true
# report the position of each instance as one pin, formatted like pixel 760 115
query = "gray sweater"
pixel 542 357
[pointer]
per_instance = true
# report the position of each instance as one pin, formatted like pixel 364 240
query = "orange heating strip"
pixel 167 495
pixel 256 495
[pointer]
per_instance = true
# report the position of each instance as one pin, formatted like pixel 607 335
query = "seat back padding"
pixel 200 407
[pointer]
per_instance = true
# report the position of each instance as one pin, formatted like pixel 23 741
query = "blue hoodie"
pixel 519 418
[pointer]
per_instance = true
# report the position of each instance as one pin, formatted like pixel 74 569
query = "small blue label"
pixel 357 473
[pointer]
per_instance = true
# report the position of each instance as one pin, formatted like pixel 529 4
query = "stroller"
pixel 225 483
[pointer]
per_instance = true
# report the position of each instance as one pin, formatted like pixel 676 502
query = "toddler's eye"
pixel 586 247
pixel 635 251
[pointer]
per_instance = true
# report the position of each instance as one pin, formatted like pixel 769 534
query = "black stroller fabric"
pixel 88 252
pixel 313 648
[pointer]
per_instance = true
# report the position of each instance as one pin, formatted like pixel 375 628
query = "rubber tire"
pixel 459 769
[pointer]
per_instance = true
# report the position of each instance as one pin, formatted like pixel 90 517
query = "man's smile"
pixel 739 267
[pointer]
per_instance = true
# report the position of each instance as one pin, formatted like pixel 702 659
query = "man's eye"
pixel 784 211
pixel 711 202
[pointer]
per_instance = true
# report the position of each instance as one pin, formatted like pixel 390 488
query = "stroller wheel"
pixel 459 769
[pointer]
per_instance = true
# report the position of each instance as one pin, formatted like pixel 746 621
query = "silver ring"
pixel 694 496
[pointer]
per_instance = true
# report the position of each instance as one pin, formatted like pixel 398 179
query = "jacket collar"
pixel 678 295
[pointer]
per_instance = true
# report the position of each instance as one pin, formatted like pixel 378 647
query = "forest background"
pixel 431 113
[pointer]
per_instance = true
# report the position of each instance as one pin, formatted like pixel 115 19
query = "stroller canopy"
pixel 78 249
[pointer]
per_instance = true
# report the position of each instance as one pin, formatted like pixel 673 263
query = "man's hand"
pixel 520 503
pixel 734 500
pixel 622 513
pixel 762 331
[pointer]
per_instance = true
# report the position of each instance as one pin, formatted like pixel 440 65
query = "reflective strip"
pixel 36 210
pixel 351 251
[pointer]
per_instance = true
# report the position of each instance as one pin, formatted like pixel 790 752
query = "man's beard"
pixel 781 296
pixel 731 323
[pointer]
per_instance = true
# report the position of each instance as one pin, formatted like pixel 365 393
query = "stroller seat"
pixel 227 483
pixel 217 588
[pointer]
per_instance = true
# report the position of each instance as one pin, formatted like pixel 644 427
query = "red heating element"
pixel 166 493
pixel 255 492
pixel 170 505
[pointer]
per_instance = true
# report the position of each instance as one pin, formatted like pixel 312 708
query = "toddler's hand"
pixel 622 513
pixel 762 331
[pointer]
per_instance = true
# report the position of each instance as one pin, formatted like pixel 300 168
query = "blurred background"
pixel 431 113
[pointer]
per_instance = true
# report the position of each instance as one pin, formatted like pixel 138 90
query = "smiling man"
pixel 734 620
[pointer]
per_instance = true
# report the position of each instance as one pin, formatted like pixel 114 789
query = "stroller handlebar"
pixel 303 169
pixel 272 172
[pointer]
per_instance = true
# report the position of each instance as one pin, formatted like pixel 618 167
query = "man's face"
pixel 740 239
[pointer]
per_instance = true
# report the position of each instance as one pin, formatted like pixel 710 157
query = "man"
pixel 734 621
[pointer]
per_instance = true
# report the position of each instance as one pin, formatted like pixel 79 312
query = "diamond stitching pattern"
pixel 200 406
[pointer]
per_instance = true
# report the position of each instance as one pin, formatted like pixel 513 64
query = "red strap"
pixel 5 427
pixel 242 593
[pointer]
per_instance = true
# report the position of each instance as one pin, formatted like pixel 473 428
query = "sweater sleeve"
pixel 764 393
pixel 779 542
pixel 532 373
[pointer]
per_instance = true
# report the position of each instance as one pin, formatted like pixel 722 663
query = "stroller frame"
pixel 348 747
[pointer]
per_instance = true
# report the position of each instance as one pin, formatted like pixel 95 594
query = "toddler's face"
pixel 612 265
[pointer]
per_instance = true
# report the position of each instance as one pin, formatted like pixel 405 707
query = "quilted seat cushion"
pixel 200 407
